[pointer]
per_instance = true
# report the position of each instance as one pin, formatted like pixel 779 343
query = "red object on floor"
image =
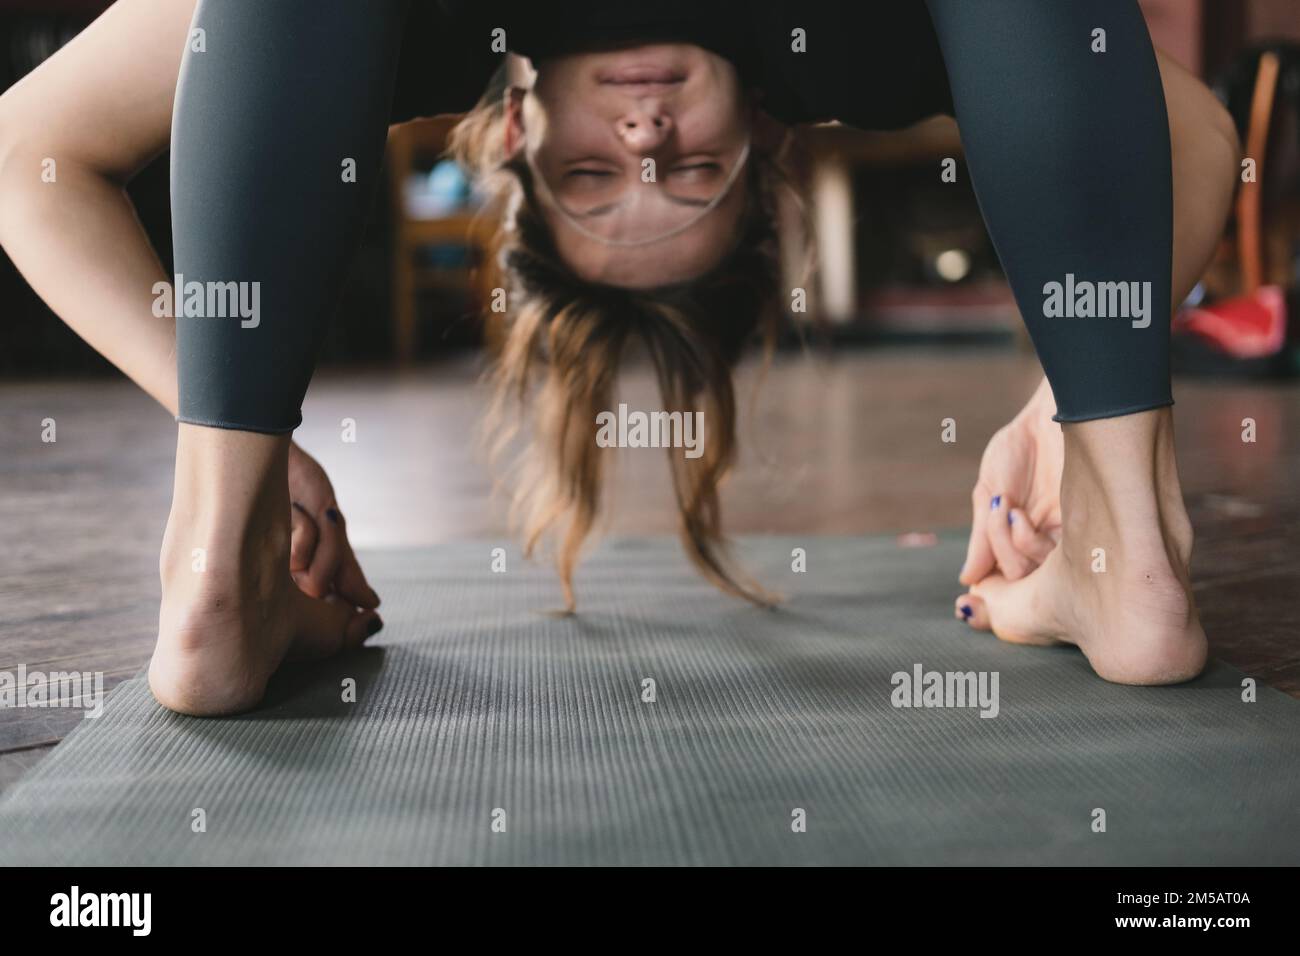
pixel 1245 326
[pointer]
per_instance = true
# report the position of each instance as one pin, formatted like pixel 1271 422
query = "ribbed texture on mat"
pixel 475 701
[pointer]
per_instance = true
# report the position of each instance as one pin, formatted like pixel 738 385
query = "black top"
pixel 873 65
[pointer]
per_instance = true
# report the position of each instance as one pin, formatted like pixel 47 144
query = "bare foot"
pixel 1117 585
pixel 230 612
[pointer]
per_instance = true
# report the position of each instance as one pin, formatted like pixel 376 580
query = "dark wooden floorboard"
pixel 843 445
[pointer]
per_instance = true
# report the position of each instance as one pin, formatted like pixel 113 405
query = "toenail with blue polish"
pixel 966 611
pixel 997 500
pixel 333 515
pixel 1011 517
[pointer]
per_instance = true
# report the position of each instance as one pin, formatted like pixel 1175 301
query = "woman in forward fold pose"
pixel 1094 162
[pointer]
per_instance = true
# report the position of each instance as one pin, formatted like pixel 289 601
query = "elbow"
pixel 8 198
pixel 7 139
pixel 11 135
pixel 8 149
pixel 20 168
pixel 1212 131
pixel 11 139
pixel 1222 131
pixel 1221 154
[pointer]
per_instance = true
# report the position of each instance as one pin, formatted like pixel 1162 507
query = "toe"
pixel 328 626
pixel 1017 611
pixel 971 609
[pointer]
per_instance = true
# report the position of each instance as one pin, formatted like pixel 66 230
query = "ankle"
pixel 226 475
pixel 1120 483
pixel 228 530
pixel 1123 456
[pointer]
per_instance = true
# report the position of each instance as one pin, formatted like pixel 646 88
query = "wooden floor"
pixel 847 444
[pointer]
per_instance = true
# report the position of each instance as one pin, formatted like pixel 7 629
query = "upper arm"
pixel 105 99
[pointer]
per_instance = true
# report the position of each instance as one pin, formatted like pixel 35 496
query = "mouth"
pixel 641 78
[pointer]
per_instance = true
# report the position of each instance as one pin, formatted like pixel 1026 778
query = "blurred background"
pixel 900 259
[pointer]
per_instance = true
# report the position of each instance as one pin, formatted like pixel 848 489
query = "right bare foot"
pixel 230 613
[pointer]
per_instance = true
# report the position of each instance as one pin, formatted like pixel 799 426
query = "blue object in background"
pixel 440 192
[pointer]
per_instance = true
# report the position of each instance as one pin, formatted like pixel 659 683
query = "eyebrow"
pixel 679 200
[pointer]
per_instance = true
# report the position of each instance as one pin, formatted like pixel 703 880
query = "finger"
pixel 351 583
pixel 331 547
pixel 302 538
pixel 326 627
pixel 979 554
pixel 1027 539
pixel 1011 562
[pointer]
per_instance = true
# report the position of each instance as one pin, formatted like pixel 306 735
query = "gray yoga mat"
pixel 476 702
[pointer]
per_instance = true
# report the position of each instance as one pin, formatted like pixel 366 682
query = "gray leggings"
pixel 279 130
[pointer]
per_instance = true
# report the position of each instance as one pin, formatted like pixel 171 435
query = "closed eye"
pixel 696 172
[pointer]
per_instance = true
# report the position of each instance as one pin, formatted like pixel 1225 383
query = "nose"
pixel 645 126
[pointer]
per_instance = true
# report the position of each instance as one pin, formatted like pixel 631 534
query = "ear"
pixel 514 110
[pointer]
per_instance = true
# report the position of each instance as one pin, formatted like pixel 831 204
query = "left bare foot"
pixel 1117 584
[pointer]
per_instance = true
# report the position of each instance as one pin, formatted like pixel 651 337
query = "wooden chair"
pixel 411 147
